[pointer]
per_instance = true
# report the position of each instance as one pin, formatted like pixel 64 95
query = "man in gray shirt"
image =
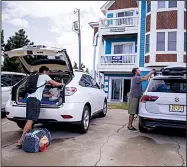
pixel 135 94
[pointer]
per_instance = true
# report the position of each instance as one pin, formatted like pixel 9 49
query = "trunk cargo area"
pixel 52 96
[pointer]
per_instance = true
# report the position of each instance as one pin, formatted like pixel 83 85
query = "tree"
pixel 2 39
pixel 2 47
pixel 83 67
pixel 75 65
pixel 18 40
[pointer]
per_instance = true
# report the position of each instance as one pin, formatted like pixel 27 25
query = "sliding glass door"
pixel 116 94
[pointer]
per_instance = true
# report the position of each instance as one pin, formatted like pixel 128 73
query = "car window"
pixel 17 78
pixel 6 80
pixel 85 81
pixel 94 83
pixel 168 85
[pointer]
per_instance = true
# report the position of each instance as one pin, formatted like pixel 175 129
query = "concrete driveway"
pixel 107 143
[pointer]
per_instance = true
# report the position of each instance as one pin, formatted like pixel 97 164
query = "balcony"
pixel 122 25
pixel 117 62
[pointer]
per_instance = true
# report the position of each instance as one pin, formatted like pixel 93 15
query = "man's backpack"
pixel 31 84
pixel 36 140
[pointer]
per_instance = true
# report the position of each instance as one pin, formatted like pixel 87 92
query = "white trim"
pixel 166 30
pixel 123 43
pixel 122 10
pixel 139 31
pixel 106 78
pixel 105 7
pixel 166 52
pixel 104 48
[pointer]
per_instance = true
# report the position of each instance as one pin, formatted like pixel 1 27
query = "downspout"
pixel 94 53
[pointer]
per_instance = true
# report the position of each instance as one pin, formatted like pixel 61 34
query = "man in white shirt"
pixel 34 99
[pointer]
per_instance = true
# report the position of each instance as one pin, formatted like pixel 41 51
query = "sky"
pixel 50 23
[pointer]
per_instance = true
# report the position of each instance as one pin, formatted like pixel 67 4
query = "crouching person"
pixel 34 98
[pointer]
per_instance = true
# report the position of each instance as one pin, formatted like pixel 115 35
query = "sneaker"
pixel 132 129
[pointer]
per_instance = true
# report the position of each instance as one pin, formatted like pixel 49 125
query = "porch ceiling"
pixel 106 37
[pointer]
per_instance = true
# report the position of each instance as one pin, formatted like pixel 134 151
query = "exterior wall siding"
pixel 148 23
pixel 167 20
pixel 142 33
pixel 147 59
pixel 122 4
pixel 144 83
pixel 166 57
pixel 108 48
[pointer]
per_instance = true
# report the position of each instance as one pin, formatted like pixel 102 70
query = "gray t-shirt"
pixel 136 87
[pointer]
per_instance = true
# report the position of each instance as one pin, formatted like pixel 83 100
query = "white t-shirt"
pixel 42 79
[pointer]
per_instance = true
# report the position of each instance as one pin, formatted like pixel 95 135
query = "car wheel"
pixel 21 124
pixel 141 126
pixel 104 110
pixel 85 122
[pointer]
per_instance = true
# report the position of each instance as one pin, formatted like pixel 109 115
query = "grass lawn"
pixel 122 106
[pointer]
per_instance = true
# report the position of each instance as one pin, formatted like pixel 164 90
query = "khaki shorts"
pixel 133 104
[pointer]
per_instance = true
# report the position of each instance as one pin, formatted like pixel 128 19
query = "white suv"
pixel 8 79
pixel 77 102
pixel 163 103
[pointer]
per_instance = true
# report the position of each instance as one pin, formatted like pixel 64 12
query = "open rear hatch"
pixel 32 58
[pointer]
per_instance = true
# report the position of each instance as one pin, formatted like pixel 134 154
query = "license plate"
pixel 176 108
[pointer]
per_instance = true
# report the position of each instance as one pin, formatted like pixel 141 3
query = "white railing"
pixel 118 59
pixel 129 21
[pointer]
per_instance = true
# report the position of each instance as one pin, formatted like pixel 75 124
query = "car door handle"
pixel 89 93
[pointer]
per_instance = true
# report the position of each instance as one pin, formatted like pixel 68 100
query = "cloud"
pixel 19 22
pixel 60 16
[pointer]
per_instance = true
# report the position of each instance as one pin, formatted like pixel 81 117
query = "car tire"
pixel 141 126
pixel 85 122
pixel 104 110
pixel 21 124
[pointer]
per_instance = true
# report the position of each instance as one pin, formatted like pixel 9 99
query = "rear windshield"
pixel 33 59
pixel 167 85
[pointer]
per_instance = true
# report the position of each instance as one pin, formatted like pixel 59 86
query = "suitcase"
pixel 36 140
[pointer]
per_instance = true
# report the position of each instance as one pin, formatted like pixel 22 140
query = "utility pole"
pixel 77 29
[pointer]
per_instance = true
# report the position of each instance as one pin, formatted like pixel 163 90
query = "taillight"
pixel 146 98
pixel 66 116
pixel 70 91
pixel 7 113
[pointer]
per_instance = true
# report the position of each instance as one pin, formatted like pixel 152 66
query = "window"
pixel 147 43
pixel 160 41
pixel 185 41
pixel 6 80
pixel 148 6
pixel 17 78
pixel 161 4
pixel 172 4
pixel 125 14
pixel 125 21
pixel 172 41
pixel 85 81
pixel 168 85
pixel 94 83
pixel 123 48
